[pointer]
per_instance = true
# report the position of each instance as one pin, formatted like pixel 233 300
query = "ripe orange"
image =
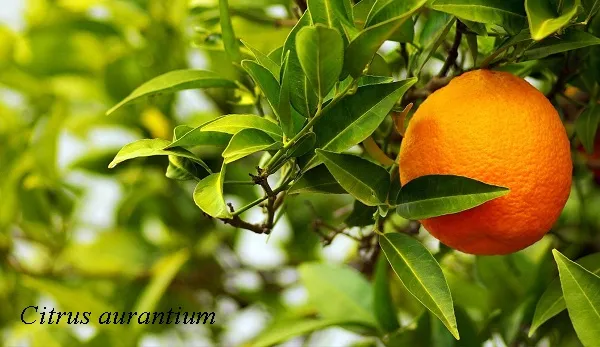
pixel 496 128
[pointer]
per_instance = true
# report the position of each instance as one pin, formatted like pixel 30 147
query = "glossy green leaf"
pixel 321 53
pixel 150 147
pixel 361 11
pixel 437 195
pixel 364 180
pixel 208 195
pixel 266 81
pixel 187 136
pixel 421 275
pixel 302 96
pixel 581 290
pixel 356 116
pixel 331 13
pixel 389 18
pixel 248 141
pixel 543 18
pixel 264 60
pixel 586 127
pixel 385 311
pixel 361 215
pixel 338 292
pixel 184 169
pixel 316 180
pixel 284 330
pixel 434 32
pixel 174 81
pixel 570 40
pixel 472 43
pixel 234 123
pixel 509 14
pixel 304 145
pixel 284 108
pixel 552 301
pixel 229 40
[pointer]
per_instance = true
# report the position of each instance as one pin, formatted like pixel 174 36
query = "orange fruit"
pixel 493 127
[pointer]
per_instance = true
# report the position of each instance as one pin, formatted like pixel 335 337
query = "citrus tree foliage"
pixel 281 122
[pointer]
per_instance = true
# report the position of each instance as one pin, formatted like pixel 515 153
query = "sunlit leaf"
pixel 174 81
pixel 544 21
pixel 421 274
pixel 234 123
pixel 248 141
pixel 320 51
pixel 509 14
pixel 581 290
pixel 264 60
pixel 187 136
pixel 208 195
pixel 437 195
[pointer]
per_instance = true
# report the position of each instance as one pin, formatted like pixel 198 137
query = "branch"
pixel 453 52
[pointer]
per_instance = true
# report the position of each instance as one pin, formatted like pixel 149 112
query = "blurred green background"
pixel 79 237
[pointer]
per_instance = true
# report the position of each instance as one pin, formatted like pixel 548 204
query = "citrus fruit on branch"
pixel 493 127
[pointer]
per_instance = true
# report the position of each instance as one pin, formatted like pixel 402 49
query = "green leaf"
pixel 175 81
pixel 361 215
pixel 421 275
pixel 283 330
pixel 509 14
pixel 303 97
pixel 265 81
pixel 229 41
pixel 304 145
pixel 234 123
pixel 364 180
pixel 552 301
pixel 284 108
pixel 434 32
pixel 208 195
pixel 187 136
pixel 316 180
pixel 361 11
pixel 150 147
pixel 331 13
pixel 248 141
pixel 586 127
pixel 356 117
pixel 389 18
pixel 543 18
pixel 437 195
pixel 264 60
pixel 472 42
pixel 385 311
pixel 570 40
pixel 183 169
pixel 581 290
pixel 321 53
pixel 163 273
pixel 338 292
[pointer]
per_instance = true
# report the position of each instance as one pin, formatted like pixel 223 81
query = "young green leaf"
pixel 355 117
pixel 509 14
pixel 234 123
pixel 338 292
pixel 586 126
pixel 150 147
pixel 437 195
pixel 552 301
pixel 389 18
pixel 581 290
pixel 570 40
pixel 229 40
pixel 304 145
pixel 248 141
pixel 385 311
pixel 543 20
pixel 187 136
pixel 174 81
pixel 208 195
pixel 184 169
pixel 331 13
pixel 264 60
pixel 302 96
pixel 316 180
pixel 284 330
pixel 364 180
pixel 266 81
pixel 288 117
pixel 421 275
pixel 321 53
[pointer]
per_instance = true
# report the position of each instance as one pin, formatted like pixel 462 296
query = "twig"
pixel 453 52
